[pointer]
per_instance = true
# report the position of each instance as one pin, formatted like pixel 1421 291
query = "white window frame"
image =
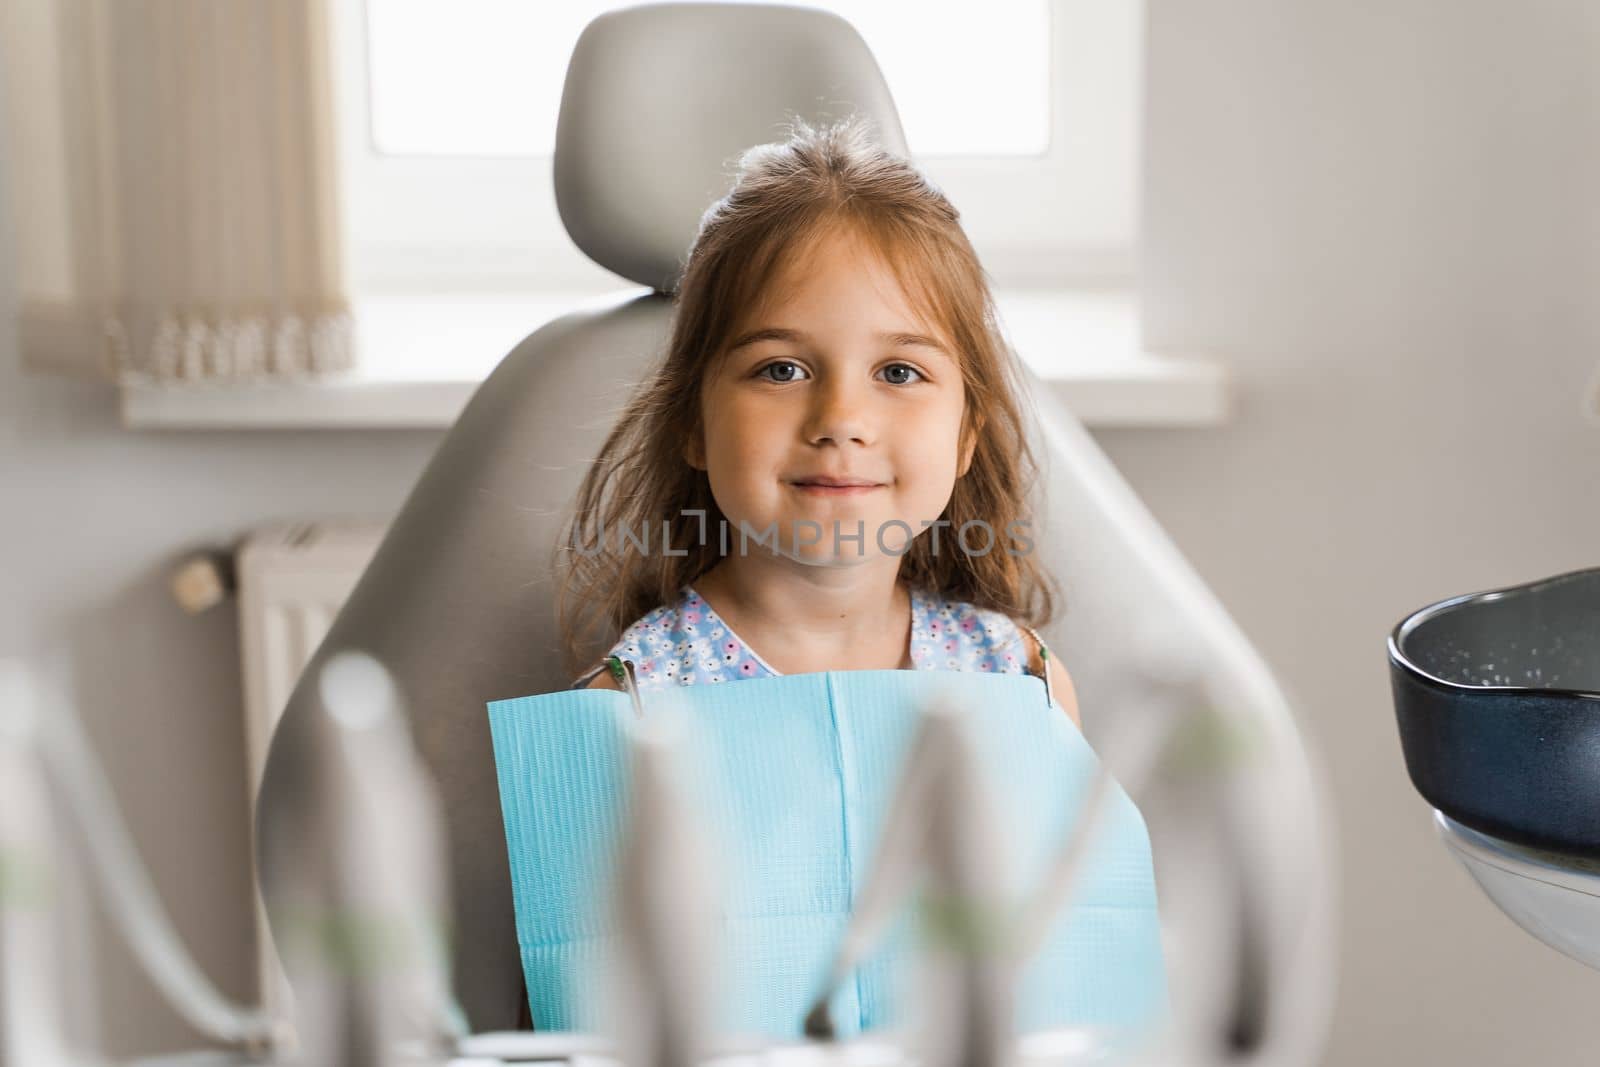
pixel 1064 219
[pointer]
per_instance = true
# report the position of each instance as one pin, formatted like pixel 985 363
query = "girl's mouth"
pixel 819 489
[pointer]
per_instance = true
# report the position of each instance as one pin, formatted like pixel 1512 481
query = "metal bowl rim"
pixel 1411 622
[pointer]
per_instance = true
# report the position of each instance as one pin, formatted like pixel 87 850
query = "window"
pixel 1036 142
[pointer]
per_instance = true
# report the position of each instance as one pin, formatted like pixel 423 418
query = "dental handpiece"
pixel 900 848
pixel 940 820
pixel 666 909
pixel 358 871
pixel 53 742
pixel 31 1033
pixel 1144 725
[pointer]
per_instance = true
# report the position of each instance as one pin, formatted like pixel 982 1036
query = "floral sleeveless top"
pixel 687 643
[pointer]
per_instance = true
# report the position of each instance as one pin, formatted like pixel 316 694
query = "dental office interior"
pixel 318 312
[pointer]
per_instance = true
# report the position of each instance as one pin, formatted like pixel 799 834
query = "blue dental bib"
pixel 795 773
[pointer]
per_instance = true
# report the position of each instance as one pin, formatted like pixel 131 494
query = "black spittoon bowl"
pixel 1498 699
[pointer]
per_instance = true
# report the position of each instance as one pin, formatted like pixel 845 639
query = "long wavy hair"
pixel 788 196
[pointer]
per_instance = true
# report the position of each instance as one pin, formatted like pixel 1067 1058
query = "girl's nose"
pixel 839 413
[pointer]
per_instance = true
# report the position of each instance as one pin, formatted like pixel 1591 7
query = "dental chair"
pixel 659 102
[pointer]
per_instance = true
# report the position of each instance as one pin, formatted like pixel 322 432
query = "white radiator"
pixel 292 581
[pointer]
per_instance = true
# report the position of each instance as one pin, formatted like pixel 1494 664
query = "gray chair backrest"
pixel 659 102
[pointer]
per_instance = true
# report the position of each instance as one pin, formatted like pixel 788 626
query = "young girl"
pixel 827 469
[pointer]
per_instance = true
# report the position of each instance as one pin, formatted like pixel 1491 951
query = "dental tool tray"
pixel 1498 700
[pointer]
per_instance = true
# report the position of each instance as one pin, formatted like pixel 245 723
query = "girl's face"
pixel 837 379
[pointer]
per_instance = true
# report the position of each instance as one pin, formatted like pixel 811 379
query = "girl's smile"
pixel 835 484
pixel 817 489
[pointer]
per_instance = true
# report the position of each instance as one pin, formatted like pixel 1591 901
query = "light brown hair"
pixel 788 196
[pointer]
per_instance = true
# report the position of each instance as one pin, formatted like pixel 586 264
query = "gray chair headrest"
pixel 661 100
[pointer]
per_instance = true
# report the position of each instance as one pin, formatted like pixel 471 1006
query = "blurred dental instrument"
pixel 667 908
pixel 44 736
pixel 357 873
pixel 1165 718
pixel 1166 732
pixel 1161 692
pixel 1146 719
pixel 1161 696
pixel 967 1001
pixel 940 814
pixel 1171 743
pixel 31 1034
pixel 894 866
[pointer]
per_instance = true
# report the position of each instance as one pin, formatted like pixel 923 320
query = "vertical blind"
pixel 174 189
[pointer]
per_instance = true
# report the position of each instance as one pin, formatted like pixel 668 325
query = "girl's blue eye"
pixel 780 363
pixel 901 366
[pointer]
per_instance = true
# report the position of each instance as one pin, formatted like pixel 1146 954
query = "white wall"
pixel 1381 215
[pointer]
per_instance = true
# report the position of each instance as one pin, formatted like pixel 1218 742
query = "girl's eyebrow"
pixel 779 333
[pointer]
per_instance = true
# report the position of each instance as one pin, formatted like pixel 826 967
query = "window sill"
pixel 424 358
